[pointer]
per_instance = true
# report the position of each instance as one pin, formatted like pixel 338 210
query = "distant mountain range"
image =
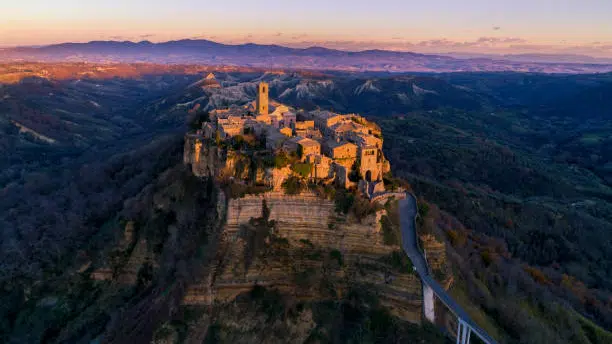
pixel 534 58
pixel 275 56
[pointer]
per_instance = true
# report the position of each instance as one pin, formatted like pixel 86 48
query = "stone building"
pixel 228 130
pixel 304 125
pixel 342 130
pixel 309 147
pixel 322 166
pixel 336 146
pixel 369 164
pixel 286 131
pixel 361 139
pixel 324 120
pixel 340 150
pixel 262 98
pixel 274 139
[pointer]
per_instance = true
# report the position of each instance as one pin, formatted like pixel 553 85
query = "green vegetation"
pixel 323 191
pixel 521 164
pixel 293 186
pixel 198 119
pixel 393 184
pixel 354 174
pixel 347 202
pixel 344 201
pixel 337 256
pixel 390 234
pixel 399 261
pixel 258 235
pixel 302 169
pixel 552 216
pixel 357 318
pixel 281 159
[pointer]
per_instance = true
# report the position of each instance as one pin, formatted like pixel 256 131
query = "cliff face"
pixel 207 160
pixel 295 245
pixel 204 159
pixel 310 253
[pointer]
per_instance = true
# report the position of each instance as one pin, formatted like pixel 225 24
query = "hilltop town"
pixel 317 146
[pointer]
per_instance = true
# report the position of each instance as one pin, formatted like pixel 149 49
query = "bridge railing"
pixel 416 234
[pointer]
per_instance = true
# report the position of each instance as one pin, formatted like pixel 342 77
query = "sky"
pixel 429 26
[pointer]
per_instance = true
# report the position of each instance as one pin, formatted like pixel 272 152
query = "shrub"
pixel 337 255
pixel 307 243
pixel 281 160
pixel 537 275
pixel 198 119
pixel 293 186
pixel 423 209
pixel 362 208
pixel 354 174
pixel 456 237
pixel 238 142
pixel 344 201
pixel 486 257
pixel 303 169
pixel 399 261
pixel 389 234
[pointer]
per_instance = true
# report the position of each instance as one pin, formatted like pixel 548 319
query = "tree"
pixel 302 169
pixel 281 160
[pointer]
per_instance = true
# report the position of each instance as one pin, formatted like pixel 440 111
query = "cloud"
pixel 207 37
pixel 480 42
pixel 149 35
pixel 496 28
pixel 299 36
pixel 118 38
pixel 278 34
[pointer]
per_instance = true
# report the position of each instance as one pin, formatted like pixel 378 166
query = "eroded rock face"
pixel 313 253
pixel 205 160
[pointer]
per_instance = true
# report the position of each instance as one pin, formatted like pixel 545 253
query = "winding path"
pixel 408 212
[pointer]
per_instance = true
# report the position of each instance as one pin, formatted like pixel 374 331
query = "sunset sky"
pixel 474 26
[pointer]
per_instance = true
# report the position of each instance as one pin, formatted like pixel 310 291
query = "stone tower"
pixel 262 98
pixel 369 164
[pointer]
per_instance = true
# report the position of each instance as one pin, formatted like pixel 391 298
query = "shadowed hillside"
pixel 514 173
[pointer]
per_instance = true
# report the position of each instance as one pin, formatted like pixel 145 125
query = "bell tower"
pixel 262 98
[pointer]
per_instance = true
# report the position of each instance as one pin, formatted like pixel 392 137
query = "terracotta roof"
pixel 308 142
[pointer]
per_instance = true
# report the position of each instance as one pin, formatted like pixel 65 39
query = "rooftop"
pixel 306 142
pixel 334 144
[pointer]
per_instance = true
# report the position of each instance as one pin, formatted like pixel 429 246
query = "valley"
pixel 514 189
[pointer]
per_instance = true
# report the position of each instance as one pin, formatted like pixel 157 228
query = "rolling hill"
pixel 275 56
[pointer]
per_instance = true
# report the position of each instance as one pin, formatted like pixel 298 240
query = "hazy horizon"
pixel 442 26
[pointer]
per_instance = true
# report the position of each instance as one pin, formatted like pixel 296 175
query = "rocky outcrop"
pixel 205 159
pixel 435 251
pixel 312 254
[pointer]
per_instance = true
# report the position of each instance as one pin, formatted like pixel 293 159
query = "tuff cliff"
pixel 310 252
pixel 303 249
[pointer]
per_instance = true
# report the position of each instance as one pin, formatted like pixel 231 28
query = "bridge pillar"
pixel 428 303
pixel 463 333
pixel 459 328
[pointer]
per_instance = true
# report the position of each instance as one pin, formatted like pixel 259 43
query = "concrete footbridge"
pixel 465 328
